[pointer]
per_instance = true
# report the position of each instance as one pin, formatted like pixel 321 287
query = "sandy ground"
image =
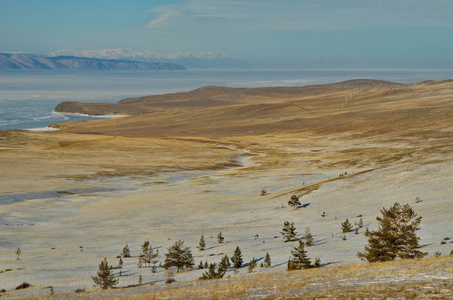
pixel 63 190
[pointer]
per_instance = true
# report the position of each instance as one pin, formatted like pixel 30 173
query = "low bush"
pixel 23 285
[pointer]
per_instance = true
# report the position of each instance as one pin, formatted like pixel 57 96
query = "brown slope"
pixel 211 96
pixel 359 107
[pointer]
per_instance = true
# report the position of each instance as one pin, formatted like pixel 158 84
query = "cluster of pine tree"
pixel 395 238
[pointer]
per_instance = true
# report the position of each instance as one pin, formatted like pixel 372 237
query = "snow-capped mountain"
pixel 199 59
pixel 13 61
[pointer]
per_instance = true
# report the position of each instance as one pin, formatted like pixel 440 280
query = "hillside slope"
pixel 190 164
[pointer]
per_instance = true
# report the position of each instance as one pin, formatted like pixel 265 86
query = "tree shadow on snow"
pixel 303 205
pixel 256 260
pixel 330 263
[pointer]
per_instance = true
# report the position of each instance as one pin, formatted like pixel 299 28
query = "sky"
pixel 266 33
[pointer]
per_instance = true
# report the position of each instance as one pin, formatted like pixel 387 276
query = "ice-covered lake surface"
pixel 27 98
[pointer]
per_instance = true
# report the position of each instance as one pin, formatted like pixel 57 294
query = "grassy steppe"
pixel 187 164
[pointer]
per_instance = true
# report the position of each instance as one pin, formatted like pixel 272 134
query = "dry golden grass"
pixel 427 278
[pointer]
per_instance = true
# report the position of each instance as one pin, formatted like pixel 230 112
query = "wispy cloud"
pixel 163 14
pixel 307 14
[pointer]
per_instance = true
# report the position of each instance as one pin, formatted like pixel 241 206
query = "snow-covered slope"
pixel 199 59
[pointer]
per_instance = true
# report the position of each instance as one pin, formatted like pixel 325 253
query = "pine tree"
pixel 148 255
pixel 18 253
pixel 237 258
pixel 360 223
pixel 395 237
pixel 211 273
pixel 120 263
pixel 179 256
pixel 289 232
pixel 225 262
pixel 126 251
pixel 294 201
pixel 220 238
pixel 200 266
pixel 252 265
pixel 206 265
pixel 267 260
pixel 201 244
pixel 300 258
pixel 309 240
pixel 346 226
pixel 105 278
pixel 140 279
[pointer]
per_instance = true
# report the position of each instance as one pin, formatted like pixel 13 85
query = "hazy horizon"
pixel 267 34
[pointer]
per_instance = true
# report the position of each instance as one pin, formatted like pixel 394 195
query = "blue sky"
pixel 285 33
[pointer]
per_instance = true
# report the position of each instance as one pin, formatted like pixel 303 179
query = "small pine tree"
pixel 126 251
pixel 200 266
pixel 357 230
pixel 148 255
pixel 317 263
pixel 220 238
pixel 309 240
pixel 299 258
pixel 289 232
pixel 252 265
pixel 225 262
pixel 346 226
pixel 201 244
pixel 237 258
pixel 179 256
pixel 395 237
pixel 140 279
pixel 105 278
pixel 294 201
pixel 211 273
pixel 267 260
pixel 18 253
pixel 120 263
pixel 206 265
pixel 360 223
pixel 263 192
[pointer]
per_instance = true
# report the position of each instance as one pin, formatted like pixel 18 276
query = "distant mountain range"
pixel 11 61
pixel 200 59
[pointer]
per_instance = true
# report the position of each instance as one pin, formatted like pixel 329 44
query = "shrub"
pixel 23 285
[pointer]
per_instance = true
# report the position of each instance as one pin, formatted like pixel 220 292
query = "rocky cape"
pixel 15 61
